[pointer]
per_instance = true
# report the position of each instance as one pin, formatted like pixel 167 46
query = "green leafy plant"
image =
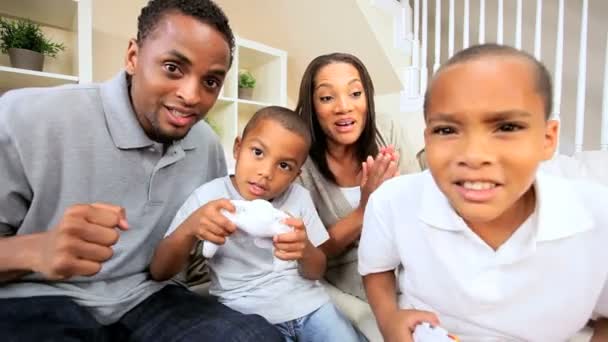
pixel 24 34
pixel 246 79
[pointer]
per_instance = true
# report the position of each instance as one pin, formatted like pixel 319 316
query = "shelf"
pixel 266 64
pixel 18 78
pixel 229 90
pixel 230 113
pixel 254 103
pixel 56 13
pixel 225 99
pixel 244 102
pixel 220 117
pixel 63 21
pixel 246 109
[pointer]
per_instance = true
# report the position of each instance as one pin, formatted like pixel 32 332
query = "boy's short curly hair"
pixel 205 11
pixel 543 78
pixel 285 117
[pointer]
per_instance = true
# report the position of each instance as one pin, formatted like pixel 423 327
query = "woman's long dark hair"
pixel 367 143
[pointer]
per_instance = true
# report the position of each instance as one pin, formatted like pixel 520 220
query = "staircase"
pixel 569 37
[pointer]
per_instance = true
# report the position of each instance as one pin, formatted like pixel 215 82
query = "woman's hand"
pixel 376 171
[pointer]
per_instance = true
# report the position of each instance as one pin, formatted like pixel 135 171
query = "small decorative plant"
pixel 246 79
pixel 246 85
pixel 24 34
pixel 26 44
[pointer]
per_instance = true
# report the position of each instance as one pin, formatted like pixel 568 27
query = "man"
pixel 90 177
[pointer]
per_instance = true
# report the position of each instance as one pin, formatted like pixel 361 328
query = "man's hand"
pixel 81 242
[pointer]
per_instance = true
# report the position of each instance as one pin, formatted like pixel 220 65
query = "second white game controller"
pixel 425 332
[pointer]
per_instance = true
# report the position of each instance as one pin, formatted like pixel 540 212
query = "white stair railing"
pixel 437 35
pixel 417 86
pixel 518 23
pixel 424 72
pixel 499 22
pixel 465 26
pixel 538 28
pixel 604 136
pixel 582 79
pixel 482 22
pixel 451 29
pixel 559 61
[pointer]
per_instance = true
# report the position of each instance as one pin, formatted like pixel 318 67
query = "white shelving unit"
pixel 269 67
pixel 66 21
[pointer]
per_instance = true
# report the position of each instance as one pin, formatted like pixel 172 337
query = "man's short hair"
pixel 205 11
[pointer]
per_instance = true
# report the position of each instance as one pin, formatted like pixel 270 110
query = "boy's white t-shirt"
pixel 242 274
pixel 543 284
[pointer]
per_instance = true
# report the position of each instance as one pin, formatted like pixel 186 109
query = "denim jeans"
pixel 326 324
pixel 172 314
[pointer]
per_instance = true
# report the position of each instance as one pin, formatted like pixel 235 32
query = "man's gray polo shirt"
pixel 83 144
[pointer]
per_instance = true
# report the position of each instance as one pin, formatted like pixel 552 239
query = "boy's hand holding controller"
pixel 402 324
pixel 292 245
pixel 261 220
pixel 211 224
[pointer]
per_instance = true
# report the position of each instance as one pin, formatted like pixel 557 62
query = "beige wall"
pixel 598 13
pixel 114 23
pixel 304 29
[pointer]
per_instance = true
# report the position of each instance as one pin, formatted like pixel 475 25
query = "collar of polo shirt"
pixel 552 197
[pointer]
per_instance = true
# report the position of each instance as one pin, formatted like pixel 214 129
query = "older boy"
pixel 269 156
pixel 485 245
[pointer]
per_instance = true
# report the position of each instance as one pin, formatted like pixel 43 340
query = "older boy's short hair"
pixel 543 79
pixel 285 117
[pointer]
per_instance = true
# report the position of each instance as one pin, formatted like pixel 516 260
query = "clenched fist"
pixel 81 242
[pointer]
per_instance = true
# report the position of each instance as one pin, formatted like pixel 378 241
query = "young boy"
pixel 486 246
pixel 273 147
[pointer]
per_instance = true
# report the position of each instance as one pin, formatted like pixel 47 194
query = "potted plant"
pixel 246 84
pixel 26 44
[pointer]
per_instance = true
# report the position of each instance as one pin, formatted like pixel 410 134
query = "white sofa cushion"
pixel 592 165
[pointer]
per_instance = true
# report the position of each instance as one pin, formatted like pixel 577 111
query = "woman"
pixel 352 153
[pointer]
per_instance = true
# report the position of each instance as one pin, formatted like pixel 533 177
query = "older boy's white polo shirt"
pixel 543 284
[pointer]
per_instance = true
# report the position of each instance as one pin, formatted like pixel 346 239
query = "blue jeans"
pixel 326 324
pixel 172 314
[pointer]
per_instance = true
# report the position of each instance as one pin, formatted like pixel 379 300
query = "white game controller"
pixel 259 219
pixel 424 332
